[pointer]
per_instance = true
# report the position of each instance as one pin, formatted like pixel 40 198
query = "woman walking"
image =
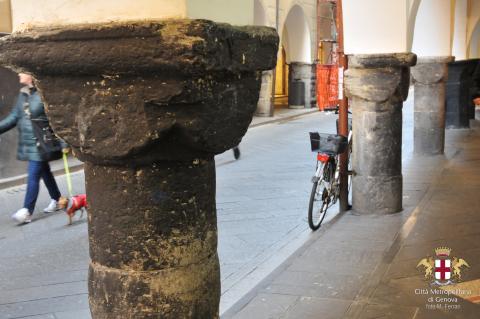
pixel 29 108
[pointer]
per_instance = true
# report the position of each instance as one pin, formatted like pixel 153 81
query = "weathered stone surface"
pixel 174 47
pixel 147 105
pixel 430 75
pixel 150 118
pixel 429 70
pixel 186 76
pixel 377 85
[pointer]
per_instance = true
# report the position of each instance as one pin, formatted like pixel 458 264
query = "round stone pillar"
pixel 147 105
pixel 430 76
pixel 305 72
pixel 377 85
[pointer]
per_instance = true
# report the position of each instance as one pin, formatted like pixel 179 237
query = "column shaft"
pixel 153 229
pixel 430 76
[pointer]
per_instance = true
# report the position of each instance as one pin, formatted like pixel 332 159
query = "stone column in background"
pixel 305 73
pixel 9 89
pixel 377 85
pixel 265 103
pixel 147 105
pixel 430 76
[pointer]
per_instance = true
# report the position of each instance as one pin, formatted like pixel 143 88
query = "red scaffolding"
pixel 327 66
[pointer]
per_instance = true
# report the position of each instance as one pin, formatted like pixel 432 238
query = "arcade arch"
pixel 433 28
pixel 294 58
pixel 412 18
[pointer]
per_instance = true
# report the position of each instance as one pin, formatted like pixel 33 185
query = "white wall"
pixel 259 13
pixel 375 26
pixel 237 12
pixel 28 13
pixel 459 45
pixel 432 36
pixel 5 17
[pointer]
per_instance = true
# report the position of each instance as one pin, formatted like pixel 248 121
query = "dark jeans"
pixel 37 170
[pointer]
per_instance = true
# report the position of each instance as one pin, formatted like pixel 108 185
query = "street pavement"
pixel 365 266
pixel 261 202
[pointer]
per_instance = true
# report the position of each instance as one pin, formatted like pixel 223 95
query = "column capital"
pixel 384 60
pixel 139 92
pixel 430 70
pixel 379 78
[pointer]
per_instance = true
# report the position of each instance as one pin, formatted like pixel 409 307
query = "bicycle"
pixel 326 181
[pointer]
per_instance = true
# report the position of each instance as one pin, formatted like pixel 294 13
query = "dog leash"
pixel 67 172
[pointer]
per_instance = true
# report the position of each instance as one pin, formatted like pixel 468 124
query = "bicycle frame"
pixel 326 180
pixel 333 184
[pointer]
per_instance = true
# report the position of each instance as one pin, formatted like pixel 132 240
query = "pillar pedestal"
pixel 377 85
pixel 430 76
pixel 147 105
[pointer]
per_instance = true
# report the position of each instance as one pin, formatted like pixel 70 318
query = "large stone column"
pixel 377 85
pixel 430 76
pixel 147 105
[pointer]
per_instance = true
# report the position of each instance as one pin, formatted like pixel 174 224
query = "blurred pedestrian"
pixel 236 152
pixel 36 144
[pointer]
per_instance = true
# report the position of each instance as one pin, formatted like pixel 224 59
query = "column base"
pixel 187 292
pixel 377 194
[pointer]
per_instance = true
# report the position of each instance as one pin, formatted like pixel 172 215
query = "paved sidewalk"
pixel 365 266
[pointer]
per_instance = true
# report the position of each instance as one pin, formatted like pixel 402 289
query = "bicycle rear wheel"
pixel 318 205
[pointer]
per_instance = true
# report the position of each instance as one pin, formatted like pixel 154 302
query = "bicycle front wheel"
pixel 319 201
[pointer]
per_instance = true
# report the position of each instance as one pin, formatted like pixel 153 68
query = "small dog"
pixel 73 205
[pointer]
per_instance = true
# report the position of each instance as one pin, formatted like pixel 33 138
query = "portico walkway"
pixel 365 266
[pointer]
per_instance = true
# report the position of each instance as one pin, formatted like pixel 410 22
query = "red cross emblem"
pixel 442 269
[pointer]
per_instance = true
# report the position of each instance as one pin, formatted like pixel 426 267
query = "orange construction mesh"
pixel 327 86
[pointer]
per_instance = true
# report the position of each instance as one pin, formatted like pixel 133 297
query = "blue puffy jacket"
pixel 27 142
